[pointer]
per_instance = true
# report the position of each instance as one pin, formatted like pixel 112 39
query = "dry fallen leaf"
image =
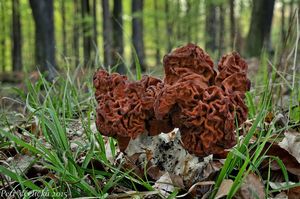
pixel 252 187
pixel 20 163
pixel 269 117
pixel 281 195
pixel 203 188
pixel 291 143
pixel 109 153
pixel 164 185
pixel 224 188
pixel 212 167
pixel 294 193
pixel 165 152
pixel 290 162
pixel 280 185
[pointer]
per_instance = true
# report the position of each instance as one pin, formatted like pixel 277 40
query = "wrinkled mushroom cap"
pixel 200 103
pixel 125 109
pixel 188 60
pixel 193 97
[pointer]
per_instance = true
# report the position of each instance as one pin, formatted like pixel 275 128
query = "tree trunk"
pixel 169 29
pixel 16 37
pixel 95 32
pixel 197 23
pixel 292 11
pixel 76 32
pixel 283 22
pixel 261 20
pixel 44 36
pixel 221 29
pixel 118 43
pixel 87 36
pixel 156 29
pixel 178 26
pixel 29 53
pixel 3 35
pixel 137 31
pixel 232 25
pixel 239 41
pixel 64 32
pixel 189 21
pixel 107 36
pixel 210 26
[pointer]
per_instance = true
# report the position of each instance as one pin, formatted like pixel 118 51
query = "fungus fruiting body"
pixel 193 97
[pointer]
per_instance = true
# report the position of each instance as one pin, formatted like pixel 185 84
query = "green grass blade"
pixel 137 65
pixel 16 177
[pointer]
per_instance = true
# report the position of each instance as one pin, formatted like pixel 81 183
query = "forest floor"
pixel 50 147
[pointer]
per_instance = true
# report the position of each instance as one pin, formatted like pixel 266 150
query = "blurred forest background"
pixel 52 35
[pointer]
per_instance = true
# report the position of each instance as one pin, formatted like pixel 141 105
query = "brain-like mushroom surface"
pixel 193 97
pixel 125 109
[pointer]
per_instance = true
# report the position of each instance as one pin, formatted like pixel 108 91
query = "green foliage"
pixel 186 27
pixel 54 106
pixel 240 159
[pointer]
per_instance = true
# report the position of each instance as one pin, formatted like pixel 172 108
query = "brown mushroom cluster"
pixel 193 97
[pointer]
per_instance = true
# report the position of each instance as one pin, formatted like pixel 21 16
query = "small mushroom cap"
pixel 189 59
pixel 125 109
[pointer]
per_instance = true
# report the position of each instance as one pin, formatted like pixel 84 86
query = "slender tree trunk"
pixel 169 29
pixel 107 33
pixel 283 22
pixel 44 36
pixel 156 29
pixel 178 26
pixel 298 10
pixel 221 29
pixel 261 20
pixel 210 26
pixel 64 32
pixel 76 32
pixel 137 31
pixel 16 37
pixel 3 35
pixel 30 46
pixel 87 36
pixel 95 32
pixel 292 10
pixel 196 21
pixel 188 21
pixel 118 43
pixel 239 41
pixel 232 25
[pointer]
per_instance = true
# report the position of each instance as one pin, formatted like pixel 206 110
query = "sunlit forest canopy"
pixel 151 27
